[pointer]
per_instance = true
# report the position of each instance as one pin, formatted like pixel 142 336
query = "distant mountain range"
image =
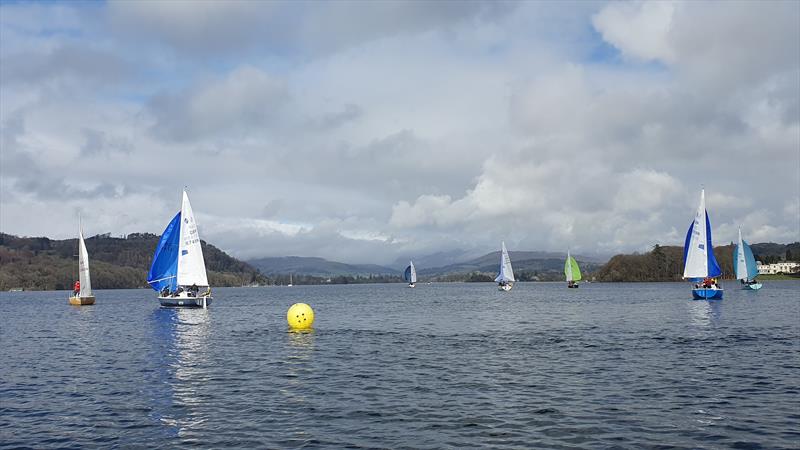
pixel 541 265
pixel 318 267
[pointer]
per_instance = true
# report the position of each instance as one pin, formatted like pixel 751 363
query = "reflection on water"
pixel 705 313
pixel 182 340
pixel 299 351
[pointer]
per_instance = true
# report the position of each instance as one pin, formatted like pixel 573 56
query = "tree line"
pixel 665 263
pixel 41 263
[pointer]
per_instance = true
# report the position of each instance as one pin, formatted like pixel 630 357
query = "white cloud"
pixel 367 133
pixel 639 29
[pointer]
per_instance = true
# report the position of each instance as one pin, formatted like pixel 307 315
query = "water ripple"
pixel 441 366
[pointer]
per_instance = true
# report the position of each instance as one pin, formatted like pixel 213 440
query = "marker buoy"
pixel 300 316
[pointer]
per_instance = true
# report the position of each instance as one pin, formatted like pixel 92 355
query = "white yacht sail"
pixel 696 264
pixel 83 267
pixel 506 275
pixel 191 267
pixel 741 267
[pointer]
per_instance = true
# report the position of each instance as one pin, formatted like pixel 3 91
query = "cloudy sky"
pixel 367 131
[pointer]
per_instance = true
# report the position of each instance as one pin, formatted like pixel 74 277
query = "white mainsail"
pixel 506 272
pixel 83 267
pixel 191 267
pixel 696 265
pixel 741 267
pixel 568 269
pixel 413 273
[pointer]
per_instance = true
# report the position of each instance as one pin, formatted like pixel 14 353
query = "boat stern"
pixel 185 302
pixel 707 294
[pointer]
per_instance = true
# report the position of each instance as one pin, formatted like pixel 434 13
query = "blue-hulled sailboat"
pixel 178 272
pixel 410 275
pixel 699 263
pixel 744 265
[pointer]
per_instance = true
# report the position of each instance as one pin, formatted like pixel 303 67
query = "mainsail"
pixel 83 267
pixel 410 274
pixel 506 272
pixel 744 263
pixel 698 253
pixel 164 270
pixel 571 269
pixel 191 267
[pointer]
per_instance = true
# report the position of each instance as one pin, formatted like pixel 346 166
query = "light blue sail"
pixel 749 260
pixel 164 270
pixel 713 266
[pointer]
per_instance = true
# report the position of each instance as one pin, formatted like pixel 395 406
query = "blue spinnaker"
pixel 164 270
pixel 750 261
pixel 713 266
pixel 407 274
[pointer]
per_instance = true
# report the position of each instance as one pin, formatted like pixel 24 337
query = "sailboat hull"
pixel 573 286
pixel 752 287
pixel 707 294
pixel 79 301
pixel 505 287
pixel 184 302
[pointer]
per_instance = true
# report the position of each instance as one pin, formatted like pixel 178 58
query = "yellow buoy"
pixel 300 316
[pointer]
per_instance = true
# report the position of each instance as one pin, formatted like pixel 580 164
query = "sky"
pixel 371 131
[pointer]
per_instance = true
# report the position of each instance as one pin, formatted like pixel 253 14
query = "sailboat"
pixel 744 265
pixel 410 275
pixel 290 281
pixel 505 279
pixel 699 264
pixel 178 271
pixel 572 271
pixel 84 296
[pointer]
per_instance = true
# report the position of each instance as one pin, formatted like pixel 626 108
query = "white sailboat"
pixel 83 295
pixel 505 279
pixel 290 281
pixel 744 265
pixel 410 275
pixel 178 272
pixel 699 263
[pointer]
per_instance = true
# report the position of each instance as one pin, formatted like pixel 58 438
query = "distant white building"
pixel 781 267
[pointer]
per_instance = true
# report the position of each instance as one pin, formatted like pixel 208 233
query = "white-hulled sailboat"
pixel 744 265
pixel 572 272
pixel 505 279
pixel 84 296
pixel 699 264
pixel 178 272
pixel 410 275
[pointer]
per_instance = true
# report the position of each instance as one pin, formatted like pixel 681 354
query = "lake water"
pixel 439 366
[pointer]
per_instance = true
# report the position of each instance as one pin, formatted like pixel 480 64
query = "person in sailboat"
pixel 76 288
pixel 192 291
pixel 165 291
pixel 177 291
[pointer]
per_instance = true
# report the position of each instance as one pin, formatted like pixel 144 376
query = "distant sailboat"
pixel 744 265
pixel 699 264
pixel 572 271
pixel 178 271
pixel 410 275
pixel 505 279
pixel 84 296
pixel 290 281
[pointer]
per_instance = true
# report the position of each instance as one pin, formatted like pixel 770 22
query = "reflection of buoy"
pixel 300 316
